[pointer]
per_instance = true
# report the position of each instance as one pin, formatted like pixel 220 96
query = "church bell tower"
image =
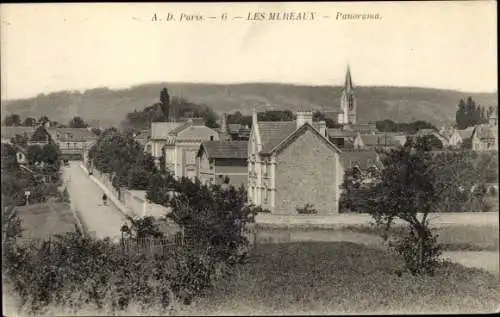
pixel 348 100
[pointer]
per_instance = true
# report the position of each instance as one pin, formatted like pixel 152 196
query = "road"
pixel 86 197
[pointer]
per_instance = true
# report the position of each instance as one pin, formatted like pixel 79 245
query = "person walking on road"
pixel 104 199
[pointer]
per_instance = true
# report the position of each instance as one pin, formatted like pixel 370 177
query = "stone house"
pixel 181 146
pixel 291 164
pixel 218 160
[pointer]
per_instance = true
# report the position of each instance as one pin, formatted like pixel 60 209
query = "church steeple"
pixel 348 81
pixel 348 100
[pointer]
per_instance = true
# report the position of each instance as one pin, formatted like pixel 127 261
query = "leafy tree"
pixel 20 140
pixel 29 121
pixel 50 154
pixel 406 191
pixel 43 119
pixel 34 154
pixel 12 120
pixel 77 122
pixel 40 135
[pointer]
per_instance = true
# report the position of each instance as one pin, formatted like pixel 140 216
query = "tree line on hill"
pixel 14 120
pixel 469 114
pixel 169 109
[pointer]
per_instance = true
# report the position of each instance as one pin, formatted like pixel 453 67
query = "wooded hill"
pixel 109 107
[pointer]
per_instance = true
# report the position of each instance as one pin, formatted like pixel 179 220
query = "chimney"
pixel 322 127
pixel 304 117
pixel 223 124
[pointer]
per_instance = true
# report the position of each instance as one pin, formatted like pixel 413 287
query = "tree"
pixel 50 154
pixel 12 120
pixel 40 135
pixel 43 119
pixel 77 122
pixel 20 140
pixel 406 191
pixel 165 103
pixel 29 122
pixel 461 115
pixel 34 154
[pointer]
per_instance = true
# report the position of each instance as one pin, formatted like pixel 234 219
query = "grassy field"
pixel 340 277
pixel 41 221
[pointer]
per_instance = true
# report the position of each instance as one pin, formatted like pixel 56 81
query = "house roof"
pixel 362 159
pixel 71 134
pixel 484 131
pixel 380 139
pixel 273 133
pixel 160 130
pixel 466 133
pixel 226 149
pixel 194 133
pixel 337 133
pixel 295 134
pixel 424 132
pixel 9 132
pixel 234 127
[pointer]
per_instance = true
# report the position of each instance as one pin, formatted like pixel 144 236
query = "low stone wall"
pixel 134 200
pixel 436 219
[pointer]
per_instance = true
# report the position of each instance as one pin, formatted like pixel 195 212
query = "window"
pixel 266 194
pixel 211 138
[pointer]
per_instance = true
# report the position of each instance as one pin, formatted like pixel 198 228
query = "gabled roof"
pixel 195 133
pixel 466 133
pixel 362 159
pixel 225 149
pixel 160 130
pixel 273 132
pixel 71 134
pixel 295 134
pixel 485 131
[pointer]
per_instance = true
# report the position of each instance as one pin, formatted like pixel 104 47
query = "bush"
pixel 73 270
pixel 420 256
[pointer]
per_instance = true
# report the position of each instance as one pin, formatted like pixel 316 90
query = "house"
pixel 180 145
pixel 217 161
pixel 342 139
pixel 385 139
pixel 452 136
pixel 291 164
pixel 364 128
pixel 41 136
pixel 362 159
pixel 72 142
pixel 235 131
pixel 437 140
pixel 485 138
pixel 466 137
pixel 158 137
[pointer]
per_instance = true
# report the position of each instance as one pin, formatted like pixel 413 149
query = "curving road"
pixel 86 197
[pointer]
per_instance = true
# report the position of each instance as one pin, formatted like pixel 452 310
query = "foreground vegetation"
pixel 293 278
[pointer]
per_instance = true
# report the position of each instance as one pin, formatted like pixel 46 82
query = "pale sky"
pixel 52 47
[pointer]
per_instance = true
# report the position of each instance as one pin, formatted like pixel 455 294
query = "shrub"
pixel 420 252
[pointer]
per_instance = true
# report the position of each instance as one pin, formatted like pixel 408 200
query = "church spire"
pixel 348 81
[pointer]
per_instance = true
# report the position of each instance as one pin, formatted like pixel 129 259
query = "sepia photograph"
pixel 272 158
